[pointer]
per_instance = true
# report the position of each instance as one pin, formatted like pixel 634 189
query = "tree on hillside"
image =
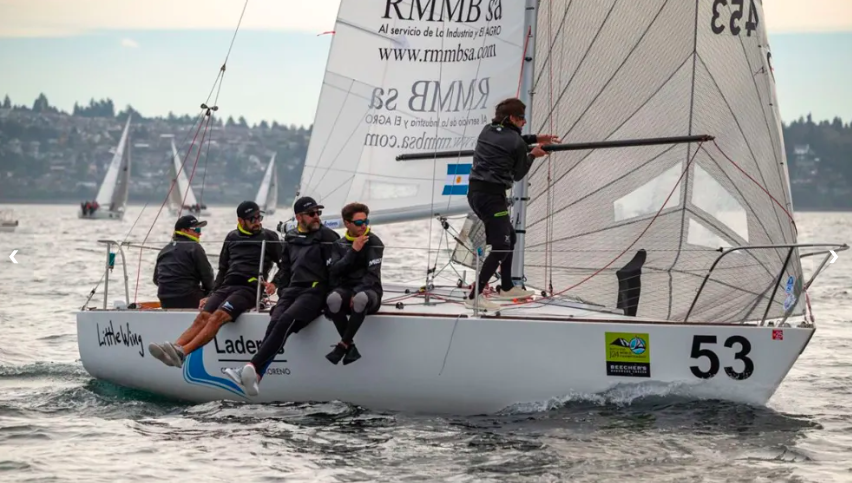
pixel 242 122
pixel 230 122
pixel 7 103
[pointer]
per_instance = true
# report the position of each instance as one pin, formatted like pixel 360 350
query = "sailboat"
pixel 8 222
pixel 111 201
pixel 661 234
pixel 182 194
pixel 267 194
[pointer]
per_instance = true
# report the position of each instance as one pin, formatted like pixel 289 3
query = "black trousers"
pixel 493 210
pixel 297 307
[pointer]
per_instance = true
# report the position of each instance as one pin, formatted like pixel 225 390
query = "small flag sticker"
pixel 777 334
pixel 458 176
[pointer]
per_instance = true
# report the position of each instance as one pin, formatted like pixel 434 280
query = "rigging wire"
pixel 206 111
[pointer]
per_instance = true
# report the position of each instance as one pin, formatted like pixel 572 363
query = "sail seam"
pixel 325 145
pixel 628 119
pixel 768 131
pixel 580 64
pixel 742 133
pixel 744 199
pixel 547 60
pixel 616 180
pixel 617 70
pixel 688 147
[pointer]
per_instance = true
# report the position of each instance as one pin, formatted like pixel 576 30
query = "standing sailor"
pixel 501 156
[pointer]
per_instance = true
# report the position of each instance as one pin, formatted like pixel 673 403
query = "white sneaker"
pixel 484 303
pixel 245 378
pixel 515 293
pixel 160 354
pixel 175 353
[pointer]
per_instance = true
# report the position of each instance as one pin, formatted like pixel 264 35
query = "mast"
pixel 520 188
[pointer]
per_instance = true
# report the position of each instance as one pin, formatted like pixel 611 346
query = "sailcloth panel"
pixel 612 70
pixel 406 77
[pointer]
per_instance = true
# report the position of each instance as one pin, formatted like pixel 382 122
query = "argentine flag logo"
pixel 458 176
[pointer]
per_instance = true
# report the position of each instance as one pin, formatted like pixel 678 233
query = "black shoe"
pixel 352 355
pixel 335 355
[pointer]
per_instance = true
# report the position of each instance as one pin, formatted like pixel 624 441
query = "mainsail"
pixel 613 70
pixel 112 194
pixel 183 195
pixel 413 76
pixel 267 194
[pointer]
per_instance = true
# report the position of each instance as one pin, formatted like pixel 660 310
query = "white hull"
pixel 436 363
pixel 101 214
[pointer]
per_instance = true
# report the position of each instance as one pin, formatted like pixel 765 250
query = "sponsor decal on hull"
pixel 628 355
pixel 194 371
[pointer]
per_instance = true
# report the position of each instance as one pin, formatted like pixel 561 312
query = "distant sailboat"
pixel 8 223
pixel 111 201
pixel 267 195
pixel 182 193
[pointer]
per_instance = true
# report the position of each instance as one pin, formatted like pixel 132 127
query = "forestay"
pixel 611 70
pixel 409 76
pixel 115 186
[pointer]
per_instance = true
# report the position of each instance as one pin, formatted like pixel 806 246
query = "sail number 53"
pixel 700 350
pixel 736 16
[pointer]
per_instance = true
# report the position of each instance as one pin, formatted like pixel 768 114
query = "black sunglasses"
pixel 313 213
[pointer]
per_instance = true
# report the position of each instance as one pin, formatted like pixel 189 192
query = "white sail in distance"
pixel 106 193
pixel 267 194
pixel 407 77
pixel 184 189
pixel 615 70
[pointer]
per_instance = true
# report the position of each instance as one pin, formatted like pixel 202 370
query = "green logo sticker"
pixel 628 354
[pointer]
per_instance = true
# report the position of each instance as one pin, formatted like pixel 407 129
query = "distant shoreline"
pixel 289 202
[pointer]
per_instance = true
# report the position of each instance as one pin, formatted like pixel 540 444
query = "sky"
pixel 163 55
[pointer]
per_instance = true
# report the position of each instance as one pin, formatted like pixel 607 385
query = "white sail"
pixel 613 70
pixel 183 188
pixel 409 77
pixel 267 194
pixel 106 194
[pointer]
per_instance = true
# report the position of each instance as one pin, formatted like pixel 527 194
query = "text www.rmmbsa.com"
pixel 419 142
pixel 458 54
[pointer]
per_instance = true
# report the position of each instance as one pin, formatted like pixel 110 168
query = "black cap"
pixel 304 204
pixel 248 210
pixel 189 221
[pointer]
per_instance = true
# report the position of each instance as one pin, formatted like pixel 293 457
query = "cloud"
pixel 129 43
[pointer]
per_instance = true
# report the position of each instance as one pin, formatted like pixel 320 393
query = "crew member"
pixel 183 274
pixel 303 281
pixel 501 156
pixel 235 287
pixel 357 280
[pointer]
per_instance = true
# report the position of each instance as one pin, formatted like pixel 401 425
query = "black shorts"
pixel 302 303
pixel 494 213
pixel 375 302
pixel 234 300
pixel 189 301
